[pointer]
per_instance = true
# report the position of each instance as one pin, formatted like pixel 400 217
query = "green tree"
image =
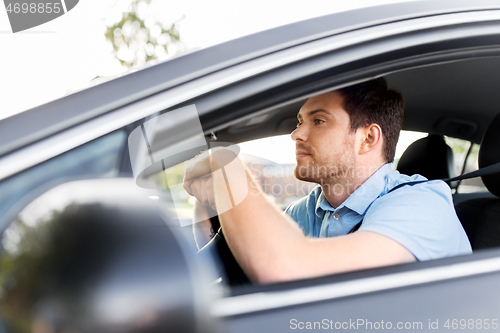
pixel 139 37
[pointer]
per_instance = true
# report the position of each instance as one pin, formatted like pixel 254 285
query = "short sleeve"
pixel 422 218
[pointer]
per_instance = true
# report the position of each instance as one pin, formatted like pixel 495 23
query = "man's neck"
pixel 338 189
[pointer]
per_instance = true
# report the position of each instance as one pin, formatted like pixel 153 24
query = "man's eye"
pixel 318 121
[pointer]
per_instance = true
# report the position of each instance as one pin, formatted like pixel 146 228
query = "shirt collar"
pixel 362 198
pixel 322 204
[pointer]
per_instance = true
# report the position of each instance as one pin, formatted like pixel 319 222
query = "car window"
pixel 472 185
pixel 99 158
pixel 272 161
pixel 460 149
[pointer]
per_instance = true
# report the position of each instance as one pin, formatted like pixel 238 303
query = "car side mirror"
pixel 100 256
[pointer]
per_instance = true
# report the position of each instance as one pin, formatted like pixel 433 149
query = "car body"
pixel 444 56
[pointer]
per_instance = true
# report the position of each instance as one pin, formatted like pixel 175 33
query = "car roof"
pixel 48 119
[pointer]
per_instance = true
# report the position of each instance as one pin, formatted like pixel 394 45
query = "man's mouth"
pixel 301 154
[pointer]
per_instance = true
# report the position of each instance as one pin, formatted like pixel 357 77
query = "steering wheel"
pixel 233 275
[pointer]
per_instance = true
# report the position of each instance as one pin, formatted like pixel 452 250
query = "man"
pixel 345 142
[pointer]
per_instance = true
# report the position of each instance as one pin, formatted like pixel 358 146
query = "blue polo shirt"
pixel 420 217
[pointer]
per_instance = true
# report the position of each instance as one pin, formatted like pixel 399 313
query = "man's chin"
pixel 304 175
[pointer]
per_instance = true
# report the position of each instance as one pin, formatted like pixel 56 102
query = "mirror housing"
pixel 100 256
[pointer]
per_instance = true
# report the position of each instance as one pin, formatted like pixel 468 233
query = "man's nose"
pixel 300 134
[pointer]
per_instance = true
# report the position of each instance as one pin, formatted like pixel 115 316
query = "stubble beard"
pixel 324 173
pixel 333 173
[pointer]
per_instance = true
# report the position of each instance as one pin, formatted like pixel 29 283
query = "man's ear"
pixel 371 138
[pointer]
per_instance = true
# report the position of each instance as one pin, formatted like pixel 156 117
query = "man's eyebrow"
pixel 310 113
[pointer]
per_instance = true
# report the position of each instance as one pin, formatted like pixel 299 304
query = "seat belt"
pixel 489 170
pixel 356 227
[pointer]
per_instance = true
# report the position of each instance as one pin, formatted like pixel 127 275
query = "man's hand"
pixel 203 190
pixel 195 169
pixel 198 180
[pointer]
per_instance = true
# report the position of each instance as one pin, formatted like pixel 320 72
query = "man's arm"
pixel 270 247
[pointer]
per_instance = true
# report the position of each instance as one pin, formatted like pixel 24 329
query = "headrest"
pixel 430 157
pixel 489 153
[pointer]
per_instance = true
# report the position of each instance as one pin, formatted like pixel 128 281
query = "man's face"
pixel 324 141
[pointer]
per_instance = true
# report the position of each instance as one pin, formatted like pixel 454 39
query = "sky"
pixel 51 60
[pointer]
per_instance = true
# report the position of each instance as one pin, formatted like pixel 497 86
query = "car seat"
pixel 480 217
pixel 430 157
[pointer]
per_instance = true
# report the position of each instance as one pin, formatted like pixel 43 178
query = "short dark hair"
pixel 372 102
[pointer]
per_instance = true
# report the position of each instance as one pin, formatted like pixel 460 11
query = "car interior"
pixel 455 100
pixel 452 102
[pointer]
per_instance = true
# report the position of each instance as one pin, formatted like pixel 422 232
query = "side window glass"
pixel 471 164
pixel 460 149
pixel 99 158
pixel 272 161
